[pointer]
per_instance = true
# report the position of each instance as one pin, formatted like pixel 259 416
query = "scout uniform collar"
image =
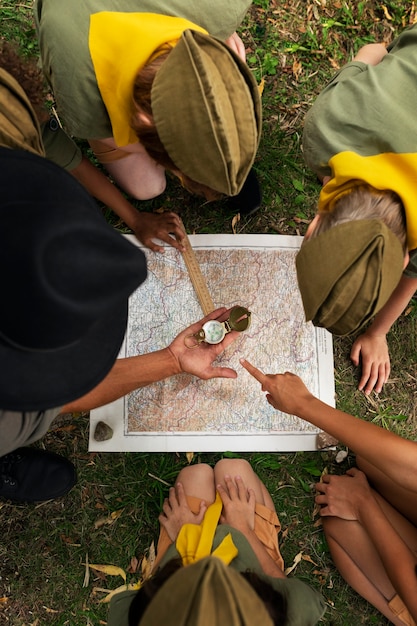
pixel 387 171
pixel 128 41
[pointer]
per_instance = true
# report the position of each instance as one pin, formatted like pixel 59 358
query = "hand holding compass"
pixel 213 331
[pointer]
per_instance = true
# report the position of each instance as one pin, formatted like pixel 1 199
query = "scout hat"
pixel 65 277
pixel 207 110
pixel 347 273
pixel 207 593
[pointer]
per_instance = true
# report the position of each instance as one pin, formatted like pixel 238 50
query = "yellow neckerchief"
pixel 396 172
pixel 120 45
pixel 194 541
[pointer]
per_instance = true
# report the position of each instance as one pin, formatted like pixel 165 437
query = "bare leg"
pixel 357 560
pixel 403 500
pixel 198 481
pixel 137 173
pixel 240 467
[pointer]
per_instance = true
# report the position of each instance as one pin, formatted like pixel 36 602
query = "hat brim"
pixel 40 380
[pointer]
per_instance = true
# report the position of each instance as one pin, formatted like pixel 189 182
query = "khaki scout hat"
pixel 207 593
pixel 347 274
pixel 207 110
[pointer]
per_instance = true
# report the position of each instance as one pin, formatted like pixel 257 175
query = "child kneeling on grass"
pixel 360 139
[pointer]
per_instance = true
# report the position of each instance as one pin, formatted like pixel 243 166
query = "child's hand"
pixel 343 496
pixel 238 504
pixel 286 392
pixel 176 512
pixel 150 226
pixel 373 352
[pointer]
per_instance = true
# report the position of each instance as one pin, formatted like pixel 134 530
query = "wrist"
pixel 174 361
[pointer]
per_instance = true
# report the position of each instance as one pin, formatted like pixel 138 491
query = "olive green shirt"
pixel 368 110
pixel 305 605
pixel 63 29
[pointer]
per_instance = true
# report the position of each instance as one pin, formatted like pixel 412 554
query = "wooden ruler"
pixel 197 278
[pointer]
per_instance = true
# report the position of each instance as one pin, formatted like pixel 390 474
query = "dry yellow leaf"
pixel 386 13
pixel 148 563
pixel 296 561
pixel 113 592
pixel 111 570
pixel 235 220
pixel 261 86
pixel 190 456
pixel 109 519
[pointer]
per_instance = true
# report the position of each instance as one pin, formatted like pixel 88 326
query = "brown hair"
pixel 26 72
pixel 143 124
pixel 366 203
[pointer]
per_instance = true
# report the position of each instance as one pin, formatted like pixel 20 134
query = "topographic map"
pixel 184 413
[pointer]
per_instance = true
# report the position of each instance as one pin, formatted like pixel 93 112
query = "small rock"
pixel 103 432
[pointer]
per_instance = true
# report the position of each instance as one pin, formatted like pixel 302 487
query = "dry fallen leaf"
pixel 386 12
pixel 87 572
pixel 148 563
pixel 113 592
pixel 261 86
pixel 111 570
pixel 235 220
pixel 190 456
pixel 297 559
pixel 109 519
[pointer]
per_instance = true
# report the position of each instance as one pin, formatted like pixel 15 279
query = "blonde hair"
pixel 366 203
pixel 146 131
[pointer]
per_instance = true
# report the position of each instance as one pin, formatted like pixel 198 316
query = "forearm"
pixel 125 376
pixel 99 186
pixel 394 456
pixel 394 307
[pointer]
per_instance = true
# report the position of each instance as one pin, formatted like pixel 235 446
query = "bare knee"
pixel 198 472
pixel 141 189
pixel 232 467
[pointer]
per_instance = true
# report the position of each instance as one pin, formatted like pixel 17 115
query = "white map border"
pixel 114 413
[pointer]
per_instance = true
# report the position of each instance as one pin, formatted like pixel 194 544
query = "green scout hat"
pixel 207 110
pixel 347 274
pixel 207 593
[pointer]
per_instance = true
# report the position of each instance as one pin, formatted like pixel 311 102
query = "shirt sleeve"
pixel 59 147
pixel 23 428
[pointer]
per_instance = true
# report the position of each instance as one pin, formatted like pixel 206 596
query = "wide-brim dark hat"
pixel 66 276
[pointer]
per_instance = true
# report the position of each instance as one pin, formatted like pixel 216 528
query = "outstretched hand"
pixel 199 360
pixel 176 512
pixel 373 352
pixel 285 392
pixel 151 226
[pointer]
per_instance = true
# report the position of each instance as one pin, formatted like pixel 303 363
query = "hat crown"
pixel 61 265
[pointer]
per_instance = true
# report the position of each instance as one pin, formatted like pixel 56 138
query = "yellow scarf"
pixel 194 541
pixel 120 45
pixel 396 172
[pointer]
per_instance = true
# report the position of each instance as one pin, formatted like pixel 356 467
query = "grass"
pixel 110 517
